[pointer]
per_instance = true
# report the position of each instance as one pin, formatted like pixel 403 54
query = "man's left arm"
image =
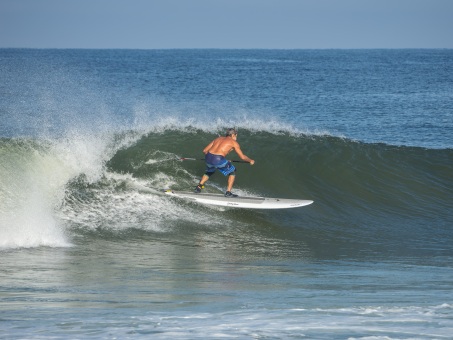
pixel 241 155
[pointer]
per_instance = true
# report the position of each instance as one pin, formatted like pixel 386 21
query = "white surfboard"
pixel 240 201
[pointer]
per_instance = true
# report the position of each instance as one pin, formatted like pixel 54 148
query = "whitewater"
pixel 91 248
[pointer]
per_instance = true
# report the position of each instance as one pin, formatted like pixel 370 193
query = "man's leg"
pixel 204 179
pixel 231 179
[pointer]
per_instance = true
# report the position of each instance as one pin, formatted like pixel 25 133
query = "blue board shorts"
pixel 218 162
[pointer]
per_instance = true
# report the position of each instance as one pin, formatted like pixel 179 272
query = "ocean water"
pixel 91 248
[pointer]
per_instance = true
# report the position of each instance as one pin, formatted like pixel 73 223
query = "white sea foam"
pixel 32 186
pixel 34 177
pixel 344 323
pixel 123 202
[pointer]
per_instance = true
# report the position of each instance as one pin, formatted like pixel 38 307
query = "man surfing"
pixel 215 153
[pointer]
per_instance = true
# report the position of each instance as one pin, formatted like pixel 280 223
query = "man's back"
pixel 221 146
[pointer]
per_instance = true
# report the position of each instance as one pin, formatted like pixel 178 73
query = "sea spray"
pixel 33 184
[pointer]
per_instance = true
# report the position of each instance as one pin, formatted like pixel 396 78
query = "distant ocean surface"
pixel 91 249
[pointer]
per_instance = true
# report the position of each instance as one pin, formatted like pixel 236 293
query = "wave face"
pixel 384 196
pixel 370 199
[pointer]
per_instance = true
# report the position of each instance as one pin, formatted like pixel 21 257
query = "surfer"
pixel 215 153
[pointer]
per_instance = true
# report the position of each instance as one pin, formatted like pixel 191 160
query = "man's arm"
pixel 208 147
pixel 241 155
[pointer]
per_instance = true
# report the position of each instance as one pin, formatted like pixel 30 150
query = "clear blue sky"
pixel 149 24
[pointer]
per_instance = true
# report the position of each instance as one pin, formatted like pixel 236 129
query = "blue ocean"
pixel 90 247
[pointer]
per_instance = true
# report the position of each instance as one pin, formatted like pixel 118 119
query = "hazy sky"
pixel 149 24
